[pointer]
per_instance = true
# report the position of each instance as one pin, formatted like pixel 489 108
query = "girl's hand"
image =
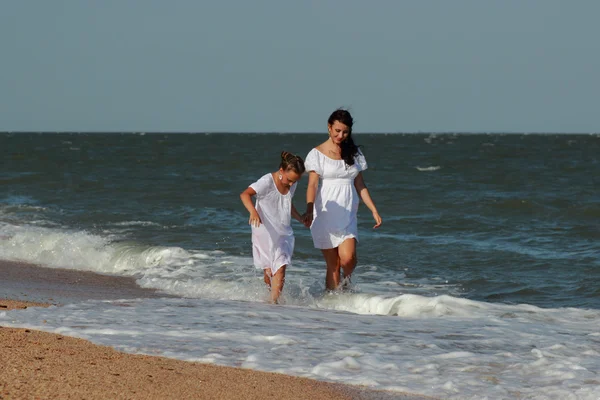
pixel 254 219
pixel 377 219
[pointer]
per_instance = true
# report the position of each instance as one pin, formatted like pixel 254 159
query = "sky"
pixel 284 66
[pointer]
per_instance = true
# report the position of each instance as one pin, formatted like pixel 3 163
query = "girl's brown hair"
pixel 291 162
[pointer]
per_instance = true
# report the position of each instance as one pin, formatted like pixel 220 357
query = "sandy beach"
pixel 37 364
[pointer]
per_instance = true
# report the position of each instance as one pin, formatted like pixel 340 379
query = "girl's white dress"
pixel 273 240
pixel 336 203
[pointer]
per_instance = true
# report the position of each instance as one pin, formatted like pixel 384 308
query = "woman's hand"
pixel 377 219
pixel 254 219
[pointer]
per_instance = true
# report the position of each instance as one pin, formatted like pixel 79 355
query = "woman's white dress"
pixel 336 202
pixel 273 240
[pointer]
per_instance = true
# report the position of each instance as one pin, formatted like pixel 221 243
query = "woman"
pixel 335 180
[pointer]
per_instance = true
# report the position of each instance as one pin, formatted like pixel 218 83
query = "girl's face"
pixel 338 132
pixel 288 178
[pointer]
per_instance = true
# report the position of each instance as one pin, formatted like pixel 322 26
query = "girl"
pixel 272 234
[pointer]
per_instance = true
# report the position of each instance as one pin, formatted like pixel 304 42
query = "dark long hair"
pixel 291 162
pixel 349 149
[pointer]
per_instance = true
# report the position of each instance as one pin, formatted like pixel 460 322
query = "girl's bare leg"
pixel 277 282
pixel 267 277
pixel 332 276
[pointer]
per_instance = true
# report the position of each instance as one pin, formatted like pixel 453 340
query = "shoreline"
pixel 59 286
pixel 48 365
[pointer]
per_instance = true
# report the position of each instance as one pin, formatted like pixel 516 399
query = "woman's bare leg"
pixel 347 256
pixel 332 277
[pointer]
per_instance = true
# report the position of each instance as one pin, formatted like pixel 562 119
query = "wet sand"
pixel 26 282
pixel 37 364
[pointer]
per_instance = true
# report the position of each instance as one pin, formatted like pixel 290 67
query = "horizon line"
pixel 142 132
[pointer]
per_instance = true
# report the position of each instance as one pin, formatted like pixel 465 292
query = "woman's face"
pixel 338 132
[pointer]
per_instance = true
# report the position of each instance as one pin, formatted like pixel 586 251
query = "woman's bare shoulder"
pixel 323 147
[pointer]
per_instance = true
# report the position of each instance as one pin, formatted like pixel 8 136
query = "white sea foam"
pixel 428 169
pixel 471 350
pixel 204 274
pixel 81 250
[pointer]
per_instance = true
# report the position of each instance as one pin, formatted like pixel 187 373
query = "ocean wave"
pixel 59 248
pixel 219 275
pixel 428 169
pixel 136 223
pixel 17 200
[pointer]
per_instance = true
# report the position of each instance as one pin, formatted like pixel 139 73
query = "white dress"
pixel 336 203
pixel 273 240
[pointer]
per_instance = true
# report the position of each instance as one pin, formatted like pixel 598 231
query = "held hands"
pixel 307 219
pixel 377 219
pixel 254 219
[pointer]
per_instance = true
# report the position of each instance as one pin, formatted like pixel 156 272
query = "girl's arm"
pixel 311 194
pixel 296 215
pixel 246 197
pixel 361 188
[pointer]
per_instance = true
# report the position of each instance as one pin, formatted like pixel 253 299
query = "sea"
pixel 483 281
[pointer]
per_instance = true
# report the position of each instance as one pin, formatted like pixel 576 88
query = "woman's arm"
pixel 311 194
pixel 361 188
pixel 246 197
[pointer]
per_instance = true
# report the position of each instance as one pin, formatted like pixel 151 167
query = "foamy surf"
pixel 483 351
pixel 57 248
pixel 210 274
pixel 428 169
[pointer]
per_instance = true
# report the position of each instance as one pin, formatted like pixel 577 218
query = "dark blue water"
pixel 496 218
